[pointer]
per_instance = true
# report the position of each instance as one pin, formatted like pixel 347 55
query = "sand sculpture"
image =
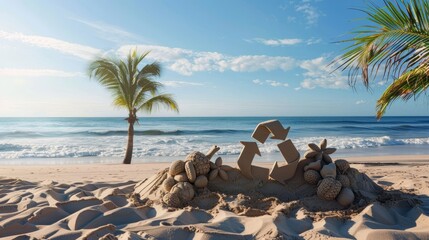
pixel 188 181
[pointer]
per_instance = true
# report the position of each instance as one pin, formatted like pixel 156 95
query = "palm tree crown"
pixel 397 43
pixel 131 88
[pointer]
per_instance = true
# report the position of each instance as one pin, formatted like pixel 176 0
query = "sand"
pixel 96 200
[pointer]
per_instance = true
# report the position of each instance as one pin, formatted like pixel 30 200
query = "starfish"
pixel 320 152
pixel 217 169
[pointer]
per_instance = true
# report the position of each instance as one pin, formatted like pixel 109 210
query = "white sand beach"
pixel 95 200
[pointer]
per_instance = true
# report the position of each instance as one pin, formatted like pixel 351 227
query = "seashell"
pixel 344 180
pixel 201 181
pixel 312 177
pixel 328 189
pixel 323 144
pixel 181 177
pixel 172 200
pixel 319 156
pixel 346 197
pixel 218 161
pixel 342 165
pixel 314 147
pixel 226 168
pixel 310 154
pixel 201 162
pixel 176 167
pixel 223 175
pixel 329 150
pixel 213 174
pixel 326 158
pixel 213 166
pixel 184 190
pixel 329 170
pixel 168 183
pixel 190 171
pixel 317 165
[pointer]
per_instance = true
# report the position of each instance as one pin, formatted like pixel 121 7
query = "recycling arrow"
pixel 250 149
pixel 287 149
pixel 283 173
pixel 274 127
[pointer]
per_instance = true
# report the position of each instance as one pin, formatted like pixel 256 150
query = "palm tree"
pixel 132 89
pixel 396 43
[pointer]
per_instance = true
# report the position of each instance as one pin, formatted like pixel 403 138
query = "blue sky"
pixel 220 58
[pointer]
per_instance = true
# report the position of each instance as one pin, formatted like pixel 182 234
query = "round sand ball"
pixel 181 177
pixel 342 165
pixel 201 162
pixel 344 180
pixel 172 200
pixel 190 172
pixel 201 181
pixel 346 197
pixel 329 170
pixel 176 167
pixel 328 189
pixel 168 183
pixel 312 177
pixel 184 190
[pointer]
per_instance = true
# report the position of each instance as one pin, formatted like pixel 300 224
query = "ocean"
pixel 88 140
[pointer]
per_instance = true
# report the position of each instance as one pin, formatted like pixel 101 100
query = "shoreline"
pixel 118 172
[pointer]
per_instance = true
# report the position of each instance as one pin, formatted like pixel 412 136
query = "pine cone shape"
pixel 328 189
pixel 200 161
pixel 312 177
pixel 172 200
pixel 344 180
pixel 184 190
pixel 342 165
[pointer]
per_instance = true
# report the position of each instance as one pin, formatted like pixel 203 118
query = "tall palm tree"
pixel 132 88
pixel 396 43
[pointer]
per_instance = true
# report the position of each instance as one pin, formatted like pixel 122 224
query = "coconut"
pixel 184 190
pixel 176 167
pixel 329 170
pixel 346 197
pixel 342 165
pixel 201 181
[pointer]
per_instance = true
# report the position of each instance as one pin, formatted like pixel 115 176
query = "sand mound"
pixel 235 209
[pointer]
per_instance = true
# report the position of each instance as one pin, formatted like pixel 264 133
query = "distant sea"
pixel 82 140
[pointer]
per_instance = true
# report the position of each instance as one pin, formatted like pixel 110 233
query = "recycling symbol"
pixel 286 147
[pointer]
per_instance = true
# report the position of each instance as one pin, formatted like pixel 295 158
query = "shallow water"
pixel 71 140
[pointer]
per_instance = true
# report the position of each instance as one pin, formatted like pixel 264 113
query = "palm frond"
pixel 165 100
pixel 410 84
pixel 130 87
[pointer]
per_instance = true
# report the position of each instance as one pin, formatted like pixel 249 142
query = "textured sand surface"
pixel 92 201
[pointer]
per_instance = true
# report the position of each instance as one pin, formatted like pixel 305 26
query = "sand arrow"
pixel 274 127
pixel 250 149
pixel 283 173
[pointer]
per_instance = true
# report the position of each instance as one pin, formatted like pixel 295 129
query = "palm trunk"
pixel 130 144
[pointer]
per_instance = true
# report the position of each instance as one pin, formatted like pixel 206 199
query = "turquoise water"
pixel 160 139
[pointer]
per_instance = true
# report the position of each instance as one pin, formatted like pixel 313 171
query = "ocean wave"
pixel 107 133
pixel 168 146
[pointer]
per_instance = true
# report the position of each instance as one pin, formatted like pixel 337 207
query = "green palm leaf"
pixel 396 43
pixel 132 88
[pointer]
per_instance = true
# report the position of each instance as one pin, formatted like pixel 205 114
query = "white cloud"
pixel 270 82
pixel 320 74
pixel 257 81
pixel 186 62
pixel 180 83
pixel 312 41
pixel 109 31
pixel 360 102
pixel 311 13
pixel 19 72
pixel 278 42
pixel 74 49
